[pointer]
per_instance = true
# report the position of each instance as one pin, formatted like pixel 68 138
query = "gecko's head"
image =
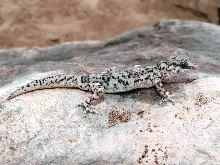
pixel 179 68
pixel 183 62
pixel 180 62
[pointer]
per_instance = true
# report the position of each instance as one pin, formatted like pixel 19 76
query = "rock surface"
pixel 46 127
pixel 44 23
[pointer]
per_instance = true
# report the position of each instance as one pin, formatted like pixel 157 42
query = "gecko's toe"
pixel 168 97
pixel 82 106
pixel 87 110
pixel 90 110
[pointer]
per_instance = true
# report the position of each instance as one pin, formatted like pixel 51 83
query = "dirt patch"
pixel 48 22
pixel 115 116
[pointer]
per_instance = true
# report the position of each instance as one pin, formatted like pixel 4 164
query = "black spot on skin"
pixel 28 85
pixel 125 83
pixel 88 79
pixel 154 74
pixel 61 80
pixel 107 83
pixel 136 81
pixel 82 79
pixel 120 81
pixel 113 77
pixel 123 76
pixel 149 70
pixel 74 80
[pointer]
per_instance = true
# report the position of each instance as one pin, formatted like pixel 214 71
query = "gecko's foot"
pixel 87 110
pixel 90 110
pixel 168 97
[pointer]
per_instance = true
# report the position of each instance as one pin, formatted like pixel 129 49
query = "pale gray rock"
pixel 47 127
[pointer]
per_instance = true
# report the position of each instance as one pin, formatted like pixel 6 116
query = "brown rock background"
pixel 47 126
pixel 48 22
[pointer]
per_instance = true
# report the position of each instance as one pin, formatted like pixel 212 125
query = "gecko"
pixel 174 69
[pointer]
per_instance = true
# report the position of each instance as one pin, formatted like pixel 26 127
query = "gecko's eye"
pixel 184 65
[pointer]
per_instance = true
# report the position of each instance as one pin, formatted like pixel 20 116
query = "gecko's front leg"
pixel 98 93
pixel 166 96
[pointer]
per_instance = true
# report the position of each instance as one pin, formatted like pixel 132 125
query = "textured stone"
pixel 46 126
pixel 52 22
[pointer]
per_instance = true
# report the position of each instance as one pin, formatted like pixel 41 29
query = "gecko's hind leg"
pixel 166 96
pixel 98 93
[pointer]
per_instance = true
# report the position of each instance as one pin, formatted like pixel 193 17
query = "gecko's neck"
pixel 168 69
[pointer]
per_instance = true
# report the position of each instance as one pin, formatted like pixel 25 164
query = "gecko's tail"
pixel 57 81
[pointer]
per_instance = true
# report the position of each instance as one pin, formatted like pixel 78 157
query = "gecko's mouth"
pixel 185 75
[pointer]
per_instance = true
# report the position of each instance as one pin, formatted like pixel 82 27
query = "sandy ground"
pixel 41 23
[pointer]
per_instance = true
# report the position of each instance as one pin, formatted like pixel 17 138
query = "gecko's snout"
pixel 193 65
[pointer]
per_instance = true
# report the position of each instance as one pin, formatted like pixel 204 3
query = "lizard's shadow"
pixel 148 95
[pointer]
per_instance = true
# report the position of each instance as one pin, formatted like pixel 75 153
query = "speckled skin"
pixel 112 81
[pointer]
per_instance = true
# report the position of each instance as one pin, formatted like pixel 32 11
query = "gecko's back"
pixel 123 81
